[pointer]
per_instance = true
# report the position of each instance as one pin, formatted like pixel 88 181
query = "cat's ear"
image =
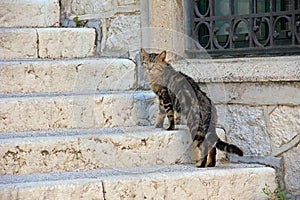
pixel 144 54
pixel 162 56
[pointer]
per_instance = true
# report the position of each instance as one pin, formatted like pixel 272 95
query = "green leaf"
pixel 76 20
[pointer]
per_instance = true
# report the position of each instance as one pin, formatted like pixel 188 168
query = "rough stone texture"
pixel 212 184
pixel 127 2
pixel 46 43
pixel 166 28
pixel 242 69
pixel 259 93
pixel 93 149
pixel 163 182
pixel 247 129
pixel 66 42
pixel 18 43
pixel 123 34
pixel 86 9
pixel 292 170
pixel 29 13
pixel 284 124
pixel 89 7
pixel 270 161
pixel 66 76
pixel 161 30
pixel 63 189
pixel 21 113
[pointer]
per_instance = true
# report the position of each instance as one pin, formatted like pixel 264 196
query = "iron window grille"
pixel 242 27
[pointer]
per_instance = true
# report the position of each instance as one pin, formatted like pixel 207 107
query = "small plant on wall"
pixel 77 22
pixel 277 194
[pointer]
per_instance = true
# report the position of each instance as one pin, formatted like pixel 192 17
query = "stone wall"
pixel 123 26
pixel 118 23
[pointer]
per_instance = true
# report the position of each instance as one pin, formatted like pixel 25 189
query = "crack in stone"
pixel 103 190
pixel 37 44
pixel 285 147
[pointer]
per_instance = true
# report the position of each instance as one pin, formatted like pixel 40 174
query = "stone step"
pixel 29 13
pixel 87 149
pixel 68 75
pixel 73 110
pixel 16 43
pixel 234 181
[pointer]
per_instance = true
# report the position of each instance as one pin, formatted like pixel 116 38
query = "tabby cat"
pixel 179 93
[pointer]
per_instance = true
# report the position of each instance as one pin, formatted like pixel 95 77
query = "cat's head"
pixel 154 63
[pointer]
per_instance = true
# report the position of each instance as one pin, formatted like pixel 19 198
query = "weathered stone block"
pixel 162 182
pixel 127 2
pixel 62 189
pixel 66 76
pixel 74 111
pixel 66 42
pixel 92 7
pixel 292 170
pixel 46 43
pixel 284 124
pixel 123 34
pixel 29 13
pixel 86 9
pixel 167 27
pixel 259 93
pixel 93 149
pixel 18 43
pixel 219 183
pixel 247 129
pixel 260 69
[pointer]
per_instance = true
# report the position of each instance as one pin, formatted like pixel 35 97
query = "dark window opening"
pixel 243 27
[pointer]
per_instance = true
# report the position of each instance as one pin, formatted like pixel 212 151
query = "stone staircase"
pixel 74 127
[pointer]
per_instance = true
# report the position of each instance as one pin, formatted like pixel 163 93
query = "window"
pixel 241 27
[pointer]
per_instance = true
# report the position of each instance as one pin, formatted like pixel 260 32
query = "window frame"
pixel 254 47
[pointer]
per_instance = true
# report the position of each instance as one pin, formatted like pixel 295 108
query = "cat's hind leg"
pixel 211 138
pixel 203 147
pixel 211 159
pixel 203 155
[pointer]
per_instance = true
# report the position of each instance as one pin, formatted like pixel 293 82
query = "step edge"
pixel 68 95
pixel 164 171
pixel 139 131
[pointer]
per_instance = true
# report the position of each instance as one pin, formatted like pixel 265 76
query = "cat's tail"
pixel 230 148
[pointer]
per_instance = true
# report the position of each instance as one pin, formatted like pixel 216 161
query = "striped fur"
pixel 178 92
